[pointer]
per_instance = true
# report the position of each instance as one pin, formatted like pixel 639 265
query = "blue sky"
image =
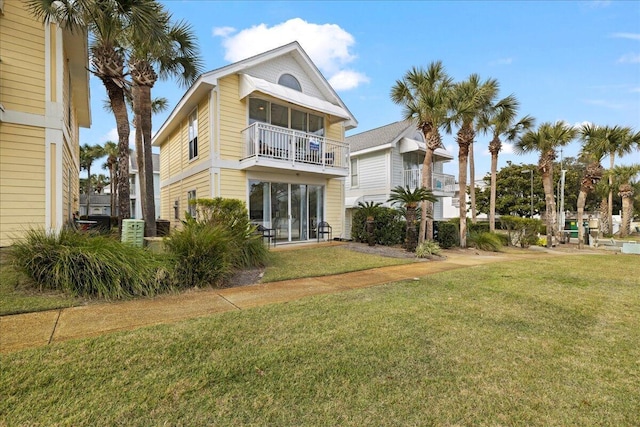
pixel 577 61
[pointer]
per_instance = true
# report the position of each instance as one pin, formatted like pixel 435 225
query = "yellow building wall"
pixel 22 180
pixel 335 205
pixel 22 75
pixel 200 182
pixel 233 118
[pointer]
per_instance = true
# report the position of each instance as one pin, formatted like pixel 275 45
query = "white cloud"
pixel 629 58
pixel 507 148
pixel 328 45
pixel 223 31
pixel 579 125
pixel 631 36
pixel 347 79
pixel 603 103
pixel 502 61
pixel 635 90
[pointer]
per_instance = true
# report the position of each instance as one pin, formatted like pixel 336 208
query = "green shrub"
pixel 485 241
pixel 478 227
pixel 389 226
pixel 203 255
pixel 521 231
pixel 427 248
pixel 232 215
pixel 447 234
pixel 87 265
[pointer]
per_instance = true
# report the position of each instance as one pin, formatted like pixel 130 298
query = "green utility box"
pixel 133 232
pixel 571 226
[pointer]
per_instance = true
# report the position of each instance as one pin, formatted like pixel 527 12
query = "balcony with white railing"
pixel 441 184
pixel 268 146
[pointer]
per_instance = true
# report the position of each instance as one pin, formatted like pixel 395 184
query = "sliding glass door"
pixel 293 210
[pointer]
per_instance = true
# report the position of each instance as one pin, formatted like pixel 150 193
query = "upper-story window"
pixel 193 135
pixel 354 172
pixel 191 203
pixel 289 81
pixel 283 116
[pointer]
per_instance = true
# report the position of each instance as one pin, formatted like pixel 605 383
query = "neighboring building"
pixel 134 178
pixel 390 156
pixel 100 204
pixel 268 130
pixel 44 99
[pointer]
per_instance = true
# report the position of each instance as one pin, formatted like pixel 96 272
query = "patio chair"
pixel 267 233
pixel 324 228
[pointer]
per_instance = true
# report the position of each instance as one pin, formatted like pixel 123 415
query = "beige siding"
pixel 335 132
pixel 22 72
pixel 22 180
pixel 200 182
pixel 233 119
pixel 233 184
pixel 335 206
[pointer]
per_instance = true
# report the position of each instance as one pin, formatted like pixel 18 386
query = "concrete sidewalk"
pixel 30 330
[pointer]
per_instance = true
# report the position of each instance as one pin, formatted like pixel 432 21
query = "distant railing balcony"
pixel 440 182
pixel 263 140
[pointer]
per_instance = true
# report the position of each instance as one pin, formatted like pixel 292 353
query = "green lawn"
pixel 550 341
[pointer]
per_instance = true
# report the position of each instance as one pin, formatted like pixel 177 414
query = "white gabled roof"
pixel 333 105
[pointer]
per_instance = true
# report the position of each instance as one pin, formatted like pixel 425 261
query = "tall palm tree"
pixel 617 141
pixel 424 96
pixel 624 178
pixel 175 54
pixel 111 150
pixel 592 151
pixel 500 120
pixel 108 23
pixel 470 100
pixel 88 155
pixel 546 140
pixel 410 200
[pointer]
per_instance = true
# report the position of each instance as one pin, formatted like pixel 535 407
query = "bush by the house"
pixel 211 247
pixel 389 226
pixel 447 234
pixel 87 265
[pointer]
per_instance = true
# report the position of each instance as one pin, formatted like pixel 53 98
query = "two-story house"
pixel 267 130
pixel 44 99
pixel 390 156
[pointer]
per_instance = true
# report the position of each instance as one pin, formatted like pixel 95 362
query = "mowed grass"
pixel 18 294
pixel 323 261
pixel 550 341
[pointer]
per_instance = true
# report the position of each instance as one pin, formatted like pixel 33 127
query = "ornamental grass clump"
pixel 485 241
pixel 89 266
pixel 428 248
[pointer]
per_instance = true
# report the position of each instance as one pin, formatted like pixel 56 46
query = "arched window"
pixel 289 81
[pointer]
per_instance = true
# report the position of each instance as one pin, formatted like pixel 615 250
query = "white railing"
pixel 440 181
pixel 265 140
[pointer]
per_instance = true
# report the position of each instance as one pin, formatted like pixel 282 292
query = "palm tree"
pixel 617 141
pixel 108 22
pixel 174 54
pixel 369 210
pixel 471 99
pixel 500 121
pixel 424 96
pixel 111 150
pixel 545 140
pixel 593 152
pixel 410 200
pixel 624 178
pixel 89 154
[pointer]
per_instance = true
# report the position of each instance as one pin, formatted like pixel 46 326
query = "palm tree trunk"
pixel 582 198
pixel 88 187
pixel 137 119
pixel 604 218
pixel 492 197
pixel 149 205
pixel 464 138
pixel 116 98
pixel 610 200
pixel 626 192
pixel 547 183
pixel 472 184
pixel 426 220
